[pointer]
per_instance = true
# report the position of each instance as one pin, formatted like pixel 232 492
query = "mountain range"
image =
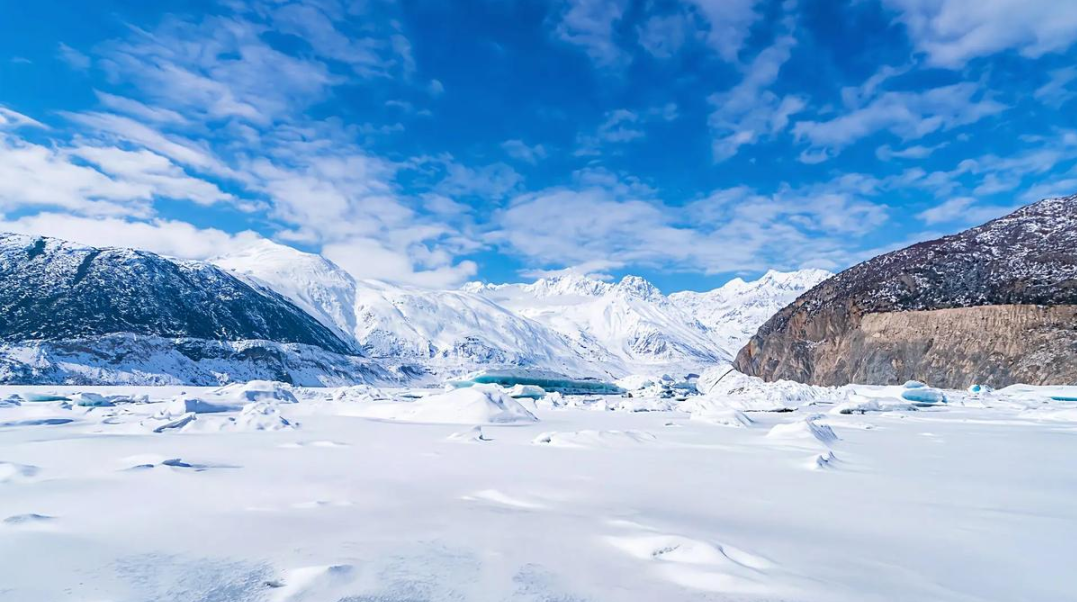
pixel 572 324
pixel 76 314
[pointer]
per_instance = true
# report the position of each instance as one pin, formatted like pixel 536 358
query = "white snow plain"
pixel 274 493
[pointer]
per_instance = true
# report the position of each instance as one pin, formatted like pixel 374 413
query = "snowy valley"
pixel 746 491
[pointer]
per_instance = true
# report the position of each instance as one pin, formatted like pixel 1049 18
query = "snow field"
pixel 572 504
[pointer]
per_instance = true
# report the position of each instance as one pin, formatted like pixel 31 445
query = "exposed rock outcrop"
pixel 996 304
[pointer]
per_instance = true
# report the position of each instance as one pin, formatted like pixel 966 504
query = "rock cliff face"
pixel 996 305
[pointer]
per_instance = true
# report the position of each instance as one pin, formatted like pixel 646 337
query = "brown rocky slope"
pixel 996 305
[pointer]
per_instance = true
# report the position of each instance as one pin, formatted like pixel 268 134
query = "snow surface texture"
pixel 279 493
pixel 575 325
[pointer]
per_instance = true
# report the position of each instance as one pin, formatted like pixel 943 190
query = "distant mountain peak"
pixel 638 287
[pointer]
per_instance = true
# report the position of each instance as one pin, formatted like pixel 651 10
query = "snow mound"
pixel 722 417
pixel 859 404
pixel 359 393
pixel 595 439
pixel 728 387
pixel 472 435
pixel 27 519
pixel 698 564
pixel 17 473
pixel 259 390
pixel 313 583
pixel 823 461
pixel 803 430
pixel 257 416
pixel 477 404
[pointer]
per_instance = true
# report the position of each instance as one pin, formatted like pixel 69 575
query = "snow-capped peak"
pixel 568 322
pixel 635 286
pixel 734 311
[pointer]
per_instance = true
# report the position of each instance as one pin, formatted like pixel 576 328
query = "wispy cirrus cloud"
pixel 905 114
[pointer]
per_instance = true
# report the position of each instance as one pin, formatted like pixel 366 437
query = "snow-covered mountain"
pixel 444 331
pixel 572 324
pixel 737 309
pixel 70 313
pixel 76 314
pixel 630 320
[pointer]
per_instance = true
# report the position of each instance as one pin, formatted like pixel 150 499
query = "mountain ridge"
pixel 849 328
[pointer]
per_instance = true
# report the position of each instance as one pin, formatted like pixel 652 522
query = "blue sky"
pixel 431 143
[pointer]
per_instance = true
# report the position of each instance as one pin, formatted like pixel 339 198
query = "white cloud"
pixel 155 172
pixel 664 35
pixel 228 72
pixel 621 126
pixel 1056 91
pixel 729 22
pixel 74 58
pixel 952 32
pixel 750 111
pixel 372 259
pixel 11 119
pixel 171 238
pixel 138 110
pixel 917 151
pixel 735 229
pixel 518 149
pixel 492 181
pixel 591 25
pixel 963 211
pixel 908 115
pixel 117 127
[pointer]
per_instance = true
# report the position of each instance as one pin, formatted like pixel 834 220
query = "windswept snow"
pixel 391 494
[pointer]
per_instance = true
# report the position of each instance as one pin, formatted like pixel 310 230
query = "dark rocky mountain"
pixel 77 314
pixel 996 304
pixel 54 290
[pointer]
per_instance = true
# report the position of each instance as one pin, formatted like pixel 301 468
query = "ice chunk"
pixel 91 400
pixel 181 404
pixel 914 384
pixel 724 385
pixel 924 395
pixel 526 392
pixel 43 397
pixel 169 424
pixel 548 381
pixel 256 416
pixel 359 393
pixel 860 404
pixel 259 390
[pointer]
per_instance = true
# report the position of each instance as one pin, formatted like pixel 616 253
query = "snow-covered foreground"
pixel 270 493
